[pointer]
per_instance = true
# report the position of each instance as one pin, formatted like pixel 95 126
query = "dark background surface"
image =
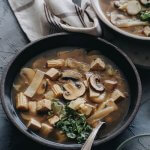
pixel 12 39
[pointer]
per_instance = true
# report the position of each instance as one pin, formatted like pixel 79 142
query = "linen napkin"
pixel 38 18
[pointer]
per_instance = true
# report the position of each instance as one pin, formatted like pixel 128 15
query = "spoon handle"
pixel 88 144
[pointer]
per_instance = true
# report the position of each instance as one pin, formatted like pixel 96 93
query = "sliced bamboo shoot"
pixel 55 63
pixel 43 105
pixel 102 113
pixel 117 94
pixel 22 102
pixel 32 107
pixel 33 87
pixel 57 90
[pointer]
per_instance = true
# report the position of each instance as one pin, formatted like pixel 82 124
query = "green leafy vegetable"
pixel 144 15
pixel 58 109
pixel 74 125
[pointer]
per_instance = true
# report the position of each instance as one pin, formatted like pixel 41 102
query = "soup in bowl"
pixel 55 91
pixel 128 17
pixel 63 96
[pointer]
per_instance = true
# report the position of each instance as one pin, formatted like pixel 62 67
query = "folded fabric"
pixel 38 18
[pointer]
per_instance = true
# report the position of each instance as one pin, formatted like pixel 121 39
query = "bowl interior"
pixel 97 7
pixel 71 40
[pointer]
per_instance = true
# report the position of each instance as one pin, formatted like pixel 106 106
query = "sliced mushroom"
pixel 71 74
pixel 95 83
pixel 121 4
pixel 147 30
pixel 85 83
pixel 93 94
pixel 121 20
pixel 145 2
pixel 27 74
pixel 133 7
pixel 87 75
pixel 73 90
pixel 110 84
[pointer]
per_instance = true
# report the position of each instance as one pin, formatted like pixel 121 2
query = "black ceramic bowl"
pixel 70 40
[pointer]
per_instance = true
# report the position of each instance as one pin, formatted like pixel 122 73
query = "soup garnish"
pixel 63 97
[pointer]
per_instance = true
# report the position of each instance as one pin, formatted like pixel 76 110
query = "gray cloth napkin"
pixel 38 18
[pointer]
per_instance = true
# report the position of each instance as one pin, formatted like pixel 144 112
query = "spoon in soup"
pixel 89 142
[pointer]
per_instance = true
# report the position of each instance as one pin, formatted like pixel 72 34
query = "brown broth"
pixel 112 120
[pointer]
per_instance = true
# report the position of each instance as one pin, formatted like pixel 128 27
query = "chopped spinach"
pixel 74 125
pixel 144 15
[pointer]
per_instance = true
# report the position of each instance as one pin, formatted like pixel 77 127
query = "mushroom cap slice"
pixel 27 74
pixel 123 21
pixel 95 83
pixel 73 90
pixel 121 4
pixel 133 7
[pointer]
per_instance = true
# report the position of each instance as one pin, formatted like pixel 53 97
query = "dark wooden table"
pixel 12 39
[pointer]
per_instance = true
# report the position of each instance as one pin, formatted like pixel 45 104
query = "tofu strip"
pixel 33 87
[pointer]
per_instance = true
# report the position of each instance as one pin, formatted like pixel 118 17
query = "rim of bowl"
pixel 104 19
pixel 52 144
pixel 130 139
